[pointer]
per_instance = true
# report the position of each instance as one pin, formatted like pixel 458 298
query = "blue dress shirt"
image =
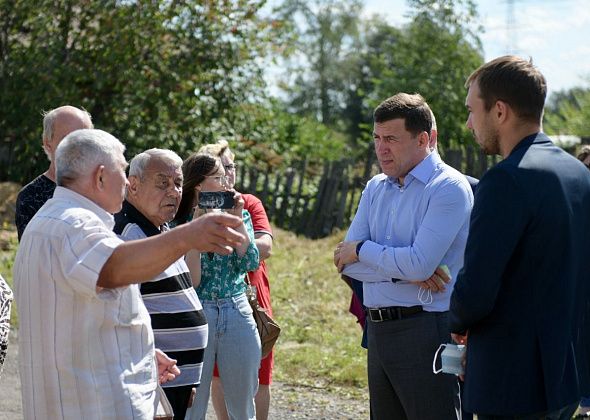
pixel 409 230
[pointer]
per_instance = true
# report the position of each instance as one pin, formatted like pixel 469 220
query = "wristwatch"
pixel 358 247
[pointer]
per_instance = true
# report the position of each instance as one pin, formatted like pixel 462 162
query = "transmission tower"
pixel 511 28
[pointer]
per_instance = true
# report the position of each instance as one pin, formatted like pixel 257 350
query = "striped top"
pixel 83 352
pixel 178 320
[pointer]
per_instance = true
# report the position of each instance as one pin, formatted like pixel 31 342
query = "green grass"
pixel 8 244
pixel 319 345
pixel 320 340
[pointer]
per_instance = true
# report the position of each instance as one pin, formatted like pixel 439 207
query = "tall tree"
pixel 155 73
pixel 438 50
pixel 369 60
pixel 326 31
pixel 568 112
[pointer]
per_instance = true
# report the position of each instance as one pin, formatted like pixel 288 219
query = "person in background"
pixel 258 278
pixel 5 301
pixel 178 320
pixel 583 410
pixel 85 341
pixel 57 124
pixel 233 340
pixel 519 296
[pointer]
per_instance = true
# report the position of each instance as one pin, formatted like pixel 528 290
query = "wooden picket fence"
pixel 313 203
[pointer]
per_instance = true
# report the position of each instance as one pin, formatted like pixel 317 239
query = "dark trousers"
pixel 564 413
pixel 401 382
pixel 178 397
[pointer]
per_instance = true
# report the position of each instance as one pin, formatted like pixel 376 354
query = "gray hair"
pixel 49 118
pixel 82 151
pixel 140 162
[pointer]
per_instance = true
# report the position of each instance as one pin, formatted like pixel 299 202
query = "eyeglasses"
pixel 221 179
pixel 230 167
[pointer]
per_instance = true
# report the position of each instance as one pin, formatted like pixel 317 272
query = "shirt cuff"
pixel 370 253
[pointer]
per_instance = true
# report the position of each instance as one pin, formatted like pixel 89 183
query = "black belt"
pixel 392 313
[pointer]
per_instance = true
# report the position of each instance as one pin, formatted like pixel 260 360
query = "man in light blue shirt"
pixel 411 219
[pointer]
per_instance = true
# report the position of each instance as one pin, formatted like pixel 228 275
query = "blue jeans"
pixel 235 344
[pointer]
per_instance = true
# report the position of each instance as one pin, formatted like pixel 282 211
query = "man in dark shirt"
pixel 57 124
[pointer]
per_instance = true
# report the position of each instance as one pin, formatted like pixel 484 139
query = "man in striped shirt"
pixel 85 341
pixel 178 321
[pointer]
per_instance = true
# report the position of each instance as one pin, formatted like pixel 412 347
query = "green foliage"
pixel 159 73
pixel 280 138
pixel 433 56
pixel 369 60
pixel 320 341
pixel 568 112
pixel 326 30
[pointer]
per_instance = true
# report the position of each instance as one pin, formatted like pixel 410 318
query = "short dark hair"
pixel 515 81
pixel 413 109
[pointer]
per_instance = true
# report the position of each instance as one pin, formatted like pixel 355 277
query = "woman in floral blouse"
pixel 233 338
pixel 5 300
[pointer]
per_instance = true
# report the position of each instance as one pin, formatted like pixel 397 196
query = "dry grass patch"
pixel 320 342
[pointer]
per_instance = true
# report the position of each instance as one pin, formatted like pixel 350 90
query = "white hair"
pixel 82 151
pixel 140 162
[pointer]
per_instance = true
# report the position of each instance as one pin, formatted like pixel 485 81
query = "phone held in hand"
pixel 216 200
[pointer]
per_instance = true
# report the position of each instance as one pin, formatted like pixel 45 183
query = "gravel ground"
pixel 289 401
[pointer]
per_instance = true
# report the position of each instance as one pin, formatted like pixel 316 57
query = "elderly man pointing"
pixel 86 347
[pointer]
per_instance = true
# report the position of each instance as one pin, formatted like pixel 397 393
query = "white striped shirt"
pixel 83 354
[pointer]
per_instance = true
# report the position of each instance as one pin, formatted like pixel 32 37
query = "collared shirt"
pixel 409 230
pixel 178 320
pixel 84 352
pixel 222 276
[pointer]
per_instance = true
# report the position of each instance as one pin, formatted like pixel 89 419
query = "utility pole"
pixel 511 28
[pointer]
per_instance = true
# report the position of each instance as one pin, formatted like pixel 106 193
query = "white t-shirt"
pixel 82 353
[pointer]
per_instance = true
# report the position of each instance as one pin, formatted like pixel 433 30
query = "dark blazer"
pixel 524 277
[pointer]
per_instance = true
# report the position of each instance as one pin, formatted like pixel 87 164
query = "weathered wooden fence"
pixel 314 202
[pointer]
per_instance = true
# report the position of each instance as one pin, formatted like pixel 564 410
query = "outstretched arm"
pixel 138 261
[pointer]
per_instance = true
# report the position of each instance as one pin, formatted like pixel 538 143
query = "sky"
pixel 555 33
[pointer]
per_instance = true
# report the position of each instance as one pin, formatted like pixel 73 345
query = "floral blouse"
pixel 5 300
pixel 222 276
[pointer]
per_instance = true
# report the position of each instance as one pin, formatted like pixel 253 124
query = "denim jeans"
pixel 235 344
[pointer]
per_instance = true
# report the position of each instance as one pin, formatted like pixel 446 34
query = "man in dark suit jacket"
pixel 518 298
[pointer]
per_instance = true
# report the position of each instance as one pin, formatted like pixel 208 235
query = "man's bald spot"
pixel 68 118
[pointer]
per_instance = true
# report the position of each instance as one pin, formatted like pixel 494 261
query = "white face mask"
pixel 451 359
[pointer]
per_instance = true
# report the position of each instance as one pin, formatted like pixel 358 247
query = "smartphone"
pixel 216 200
